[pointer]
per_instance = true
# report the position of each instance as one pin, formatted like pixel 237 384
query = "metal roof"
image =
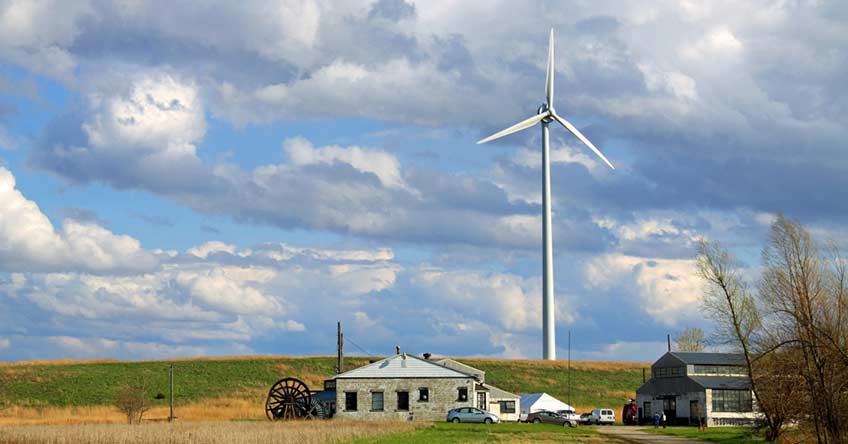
pixel 710 358
pixel 688 384
pixel 666 386
pixel 722 382
pixel 402 366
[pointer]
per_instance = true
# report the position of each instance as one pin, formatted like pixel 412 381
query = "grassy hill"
pixel 93 383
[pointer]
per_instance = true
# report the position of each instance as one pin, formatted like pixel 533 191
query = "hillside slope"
pixel 79 384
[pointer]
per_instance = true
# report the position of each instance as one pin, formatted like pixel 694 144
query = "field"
pixel 444 433
pixel 296 432
pixel 235 388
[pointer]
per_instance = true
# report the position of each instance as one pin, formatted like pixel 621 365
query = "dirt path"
pixel 637 436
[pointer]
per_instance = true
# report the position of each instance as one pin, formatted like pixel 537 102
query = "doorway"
pixel 481 401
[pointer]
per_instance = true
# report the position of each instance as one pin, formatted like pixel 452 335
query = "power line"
pixel 360 348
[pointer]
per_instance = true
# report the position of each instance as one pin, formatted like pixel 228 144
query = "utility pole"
pixel 340 347
pixel 569 368
pixel 171 402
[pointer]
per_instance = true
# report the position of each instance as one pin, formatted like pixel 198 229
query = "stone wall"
pixel 443 396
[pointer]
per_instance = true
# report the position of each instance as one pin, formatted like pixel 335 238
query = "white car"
pixel 602 416
pixel 570 415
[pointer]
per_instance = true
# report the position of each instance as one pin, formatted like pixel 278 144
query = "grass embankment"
pixel 292 432
pixel 723 435
pixel 227 388
pixel 445 433
pixel 593 384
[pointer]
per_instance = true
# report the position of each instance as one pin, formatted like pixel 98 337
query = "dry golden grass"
pixel 283 432
pixel 222 409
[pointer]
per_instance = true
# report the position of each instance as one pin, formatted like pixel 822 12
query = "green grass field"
pixel 723 435
pixel 74 384
pixel 444 433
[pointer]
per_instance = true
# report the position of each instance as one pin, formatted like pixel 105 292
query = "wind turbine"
pixel 546 115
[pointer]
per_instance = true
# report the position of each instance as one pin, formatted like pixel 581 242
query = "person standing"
pixel 663 420
pixel 656 420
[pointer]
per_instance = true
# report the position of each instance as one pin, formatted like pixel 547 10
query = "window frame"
pixel 398 394
pixel 348 401
pixel 732 401
pixel 382 401
pixel 462 394
pixel 423 394
pixel 504 406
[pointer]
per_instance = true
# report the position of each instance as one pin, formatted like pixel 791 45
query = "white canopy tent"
pixel 535 402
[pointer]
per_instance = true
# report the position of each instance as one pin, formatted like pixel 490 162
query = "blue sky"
pixel 227 178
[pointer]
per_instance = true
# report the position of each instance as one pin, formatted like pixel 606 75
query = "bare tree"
pixel 690 340
pixel 132 401
pixel 805 290
pixel 732 307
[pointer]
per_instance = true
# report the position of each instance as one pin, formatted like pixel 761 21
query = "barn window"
pixel 463 394
pixel 403 401
pixel 376 401
pixel 507 406
pixel 732 401
pixel 350 401
pixel 423 394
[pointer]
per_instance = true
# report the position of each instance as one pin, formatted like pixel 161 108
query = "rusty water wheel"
pixel 289 398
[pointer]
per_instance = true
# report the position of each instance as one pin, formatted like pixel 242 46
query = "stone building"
pixel 407 387
pixel 689 386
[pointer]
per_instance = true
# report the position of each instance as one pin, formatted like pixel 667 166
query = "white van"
pixel 602 416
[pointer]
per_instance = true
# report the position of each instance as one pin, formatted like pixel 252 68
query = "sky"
pixel 233 178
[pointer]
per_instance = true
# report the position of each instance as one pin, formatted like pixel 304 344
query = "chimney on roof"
pixel 668 338
pixel 397 349
pixel 427 356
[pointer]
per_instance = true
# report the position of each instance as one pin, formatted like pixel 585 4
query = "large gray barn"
pixel 688 386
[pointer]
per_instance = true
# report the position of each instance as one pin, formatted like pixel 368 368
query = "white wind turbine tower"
pixel 546 115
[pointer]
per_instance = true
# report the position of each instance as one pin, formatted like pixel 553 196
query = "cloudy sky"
pixel 219 178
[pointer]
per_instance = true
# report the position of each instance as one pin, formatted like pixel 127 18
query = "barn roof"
pixel 722 382
pixel 402 366
pixel 710 358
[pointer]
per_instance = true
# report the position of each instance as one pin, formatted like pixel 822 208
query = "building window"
pixel 669 372
pixel 350 401
pixel 462 394
pixel 376 401
pixel 507 406
pixel 669 405
pixel 720 370
pixel 646 410
pixel 732 401
pixel 403 401
pixel 423 394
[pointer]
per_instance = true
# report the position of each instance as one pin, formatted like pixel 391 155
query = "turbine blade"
pixel 515 128
pixel 549 79
pixel 580 136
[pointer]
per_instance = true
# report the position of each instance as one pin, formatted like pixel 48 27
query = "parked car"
pixel 570 415
pixel 550 418
pixel 586 418
pixel 602 416
pixel 471 414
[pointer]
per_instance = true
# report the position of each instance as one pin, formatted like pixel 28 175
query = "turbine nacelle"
pixel 548 112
